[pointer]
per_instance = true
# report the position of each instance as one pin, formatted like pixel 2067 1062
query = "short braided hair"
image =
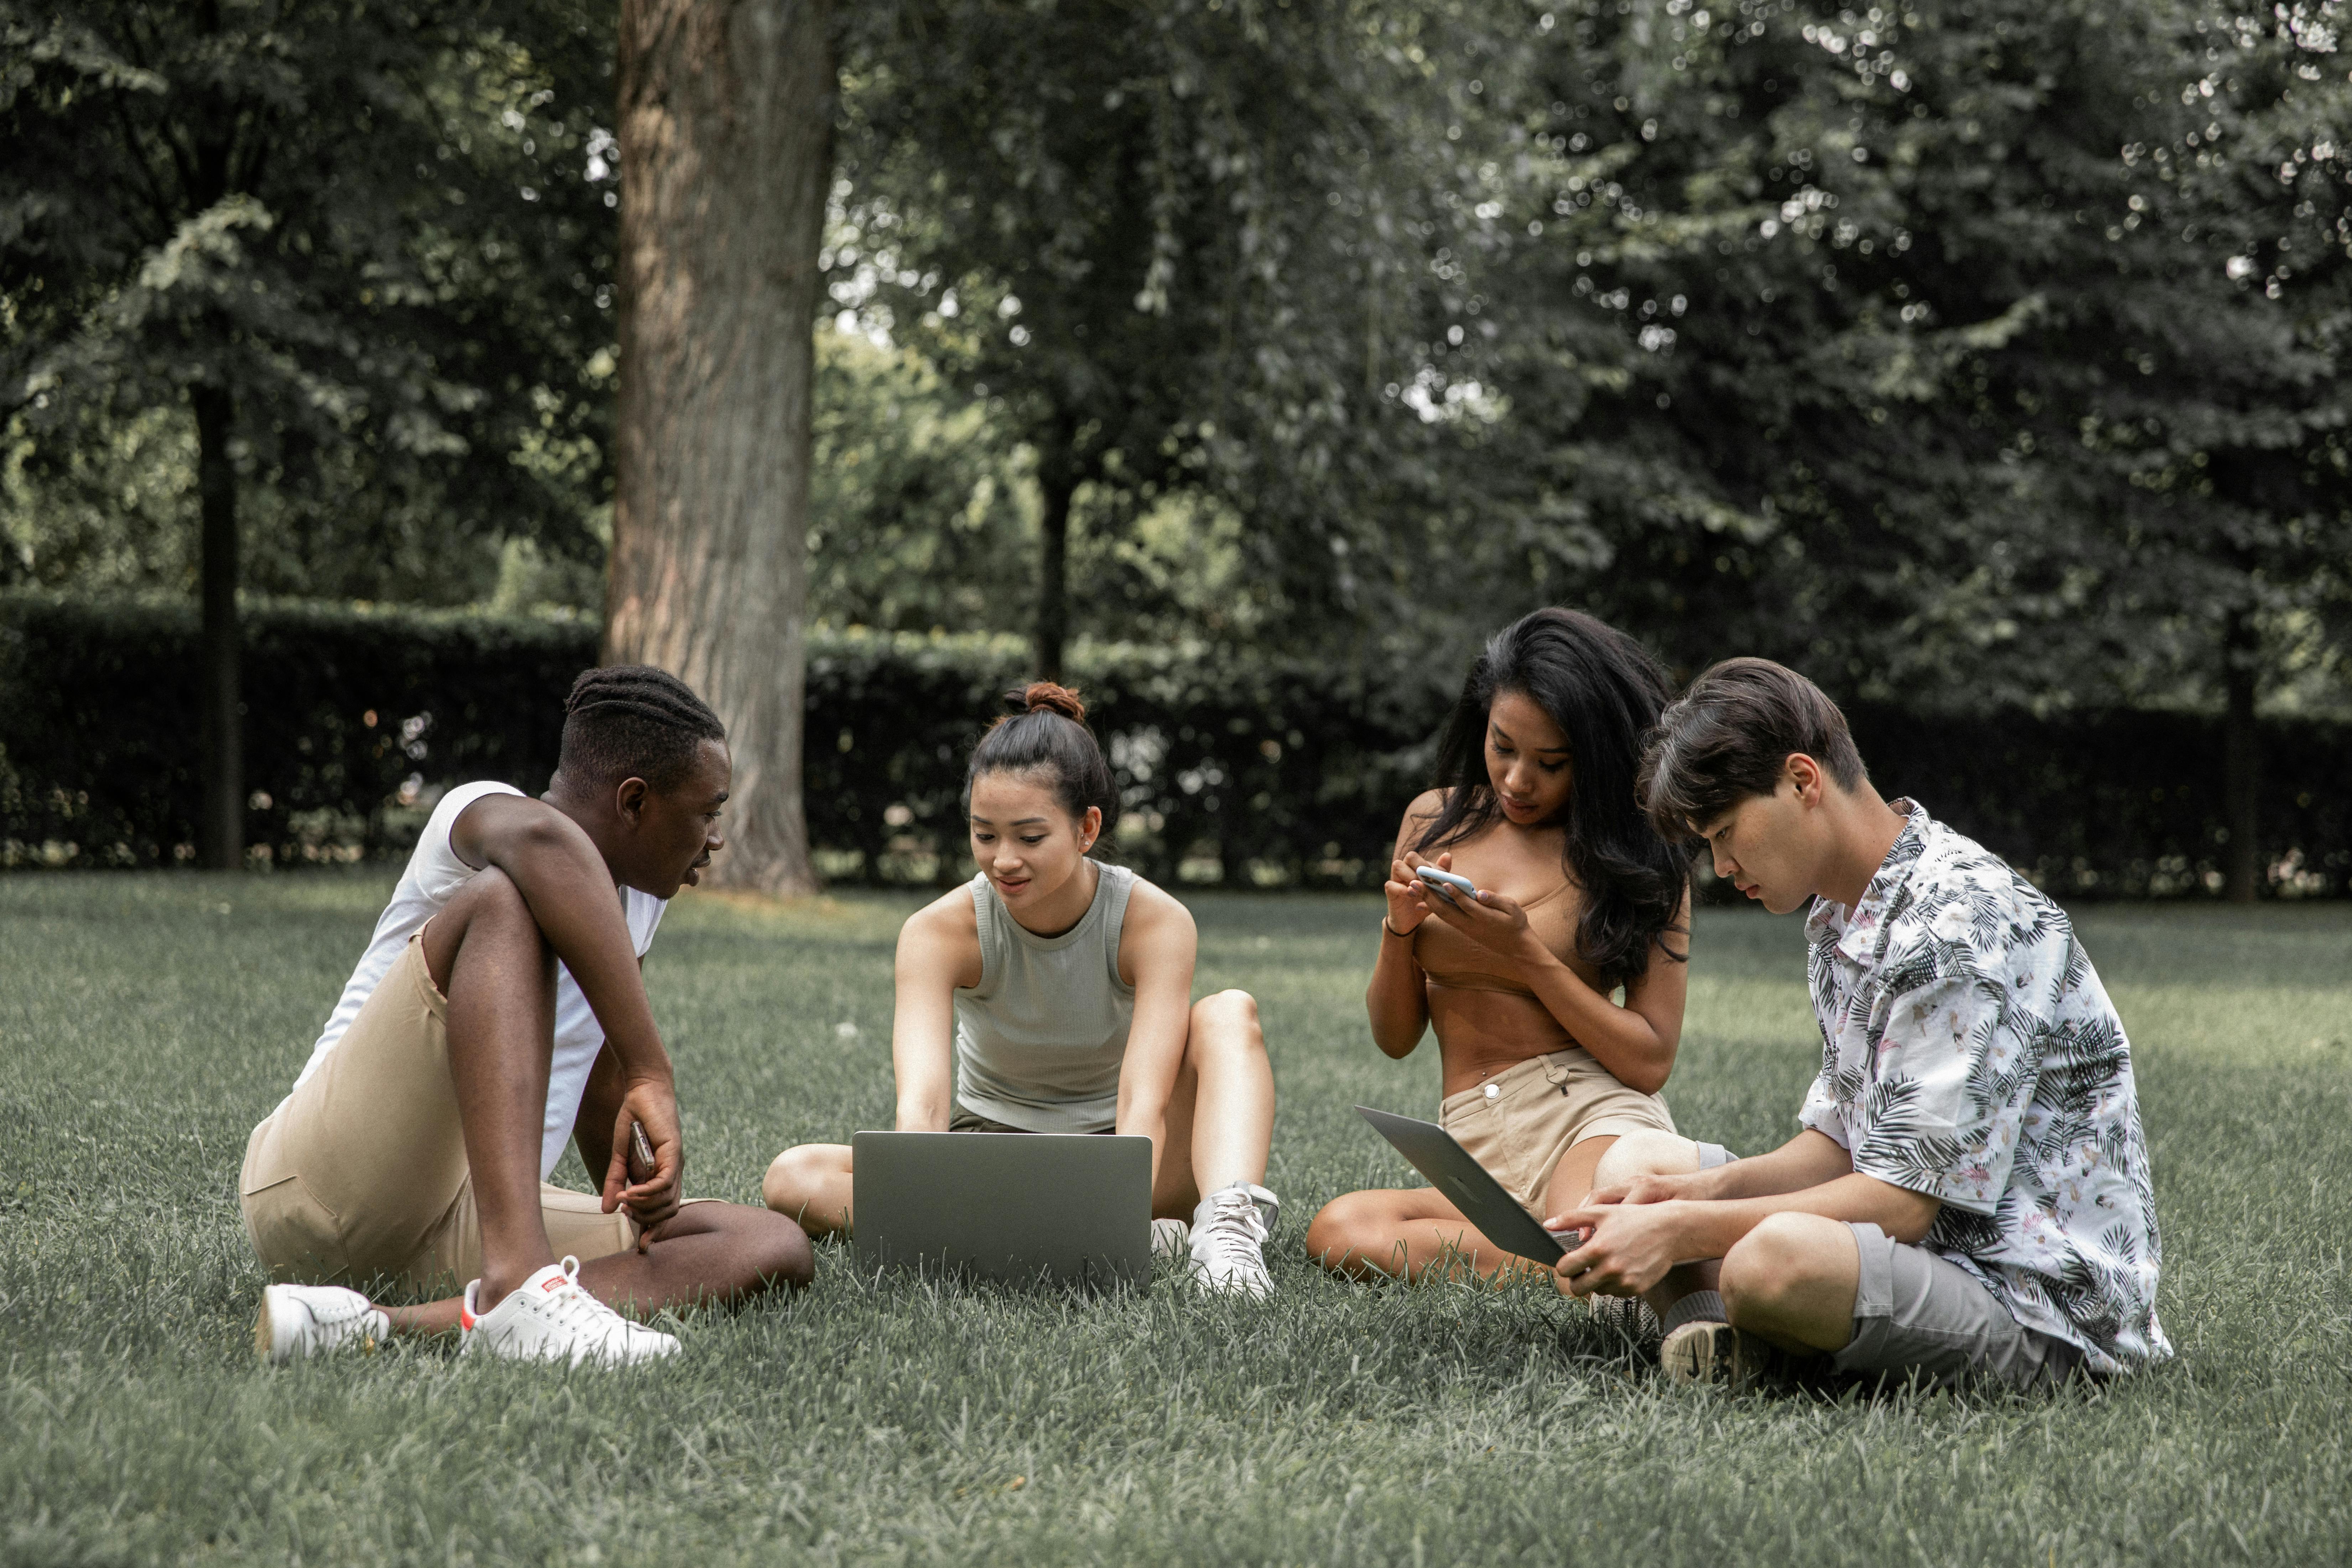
pixel 632 721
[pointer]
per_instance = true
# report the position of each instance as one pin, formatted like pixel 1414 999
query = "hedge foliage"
pixel 1238 770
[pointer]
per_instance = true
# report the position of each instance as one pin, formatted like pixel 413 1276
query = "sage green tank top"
pixel 1040 1039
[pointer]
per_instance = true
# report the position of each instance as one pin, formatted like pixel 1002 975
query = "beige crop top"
pixel 1452 960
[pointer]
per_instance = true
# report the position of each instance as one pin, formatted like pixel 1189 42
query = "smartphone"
pixel 1445 884
pixel 641 1163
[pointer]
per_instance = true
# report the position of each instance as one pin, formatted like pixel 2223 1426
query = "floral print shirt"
pixel 1969 1053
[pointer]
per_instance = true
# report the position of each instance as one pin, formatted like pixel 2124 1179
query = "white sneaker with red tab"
pixel 552 1317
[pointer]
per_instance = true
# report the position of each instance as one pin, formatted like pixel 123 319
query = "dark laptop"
pixel 1430 1150
pixel 1024 1207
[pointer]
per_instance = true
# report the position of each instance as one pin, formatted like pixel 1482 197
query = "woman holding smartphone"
pixel 1053 993
pixel 1555 979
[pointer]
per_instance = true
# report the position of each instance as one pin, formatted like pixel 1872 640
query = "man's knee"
pixel 782 1255
pixel 1776 1263
pixel 1646 1153
pixel 488 912
pixel 1227 1021
pixel 765 1249
pixel 491 896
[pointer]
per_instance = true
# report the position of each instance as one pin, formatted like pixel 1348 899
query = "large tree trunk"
pixel 2241 866
pixel 726 134
pixel 220 832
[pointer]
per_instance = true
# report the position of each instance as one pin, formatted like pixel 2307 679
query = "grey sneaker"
pixel 1171 1238
pixel 1706 1352
pixel 1628 1317
pixel 1228 1243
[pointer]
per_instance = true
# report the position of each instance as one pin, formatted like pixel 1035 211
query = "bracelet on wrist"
pixel 1392 931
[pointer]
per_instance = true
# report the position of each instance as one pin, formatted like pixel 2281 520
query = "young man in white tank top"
pixel 496 1015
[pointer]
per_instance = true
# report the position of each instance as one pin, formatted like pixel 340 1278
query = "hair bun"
pixel 1044 697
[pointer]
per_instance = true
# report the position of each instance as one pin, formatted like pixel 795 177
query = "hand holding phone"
pixel 1445 884
pixel 642 1165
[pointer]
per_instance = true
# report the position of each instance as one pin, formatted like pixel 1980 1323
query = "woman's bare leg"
pixel 1403 1233
pixel 1219 1120
pixel 812 1184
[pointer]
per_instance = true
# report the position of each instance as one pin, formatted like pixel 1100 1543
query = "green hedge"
pixel 1244 770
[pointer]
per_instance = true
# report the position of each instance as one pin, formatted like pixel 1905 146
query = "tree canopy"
pixel 1973 352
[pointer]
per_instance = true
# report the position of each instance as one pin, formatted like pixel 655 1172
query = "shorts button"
pixel 1494 1092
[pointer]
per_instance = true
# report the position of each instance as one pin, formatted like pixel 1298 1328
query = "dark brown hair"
pixel 1730 736
pixel 1043 729
pixel 1602 690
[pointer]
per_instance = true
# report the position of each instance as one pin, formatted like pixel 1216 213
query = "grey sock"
pixel 1698 1306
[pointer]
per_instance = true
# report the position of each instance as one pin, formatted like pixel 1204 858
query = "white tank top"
pixel 1040 1039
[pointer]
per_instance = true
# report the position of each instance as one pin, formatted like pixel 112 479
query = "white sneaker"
pixel 1171 1238
pixel 1229 1232
pixel 298 1321
pixel 549 1317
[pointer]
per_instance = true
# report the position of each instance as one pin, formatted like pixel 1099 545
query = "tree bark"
pixel 220 832
pixel 2241 866
pixel 1057 483
pixel 726 132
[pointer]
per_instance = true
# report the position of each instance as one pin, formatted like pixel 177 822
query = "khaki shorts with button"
pixel 361 1174
pixel 1520 1121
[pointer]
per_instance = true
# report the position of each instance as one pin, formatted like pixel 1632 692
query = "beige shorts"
pixel 1521 1120
pixel 361 1174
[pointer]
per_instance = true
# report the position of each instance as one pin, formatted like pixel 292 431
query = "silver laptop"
pixel 1430 1150
pixel 1026 1207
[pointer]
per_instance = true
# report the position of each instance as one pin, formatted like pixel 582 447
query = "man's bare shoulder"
pixel 500 820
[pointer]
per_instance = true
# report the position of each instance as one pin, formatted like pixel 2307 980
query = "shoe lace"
pixel 1234 1232
pixel 573 1308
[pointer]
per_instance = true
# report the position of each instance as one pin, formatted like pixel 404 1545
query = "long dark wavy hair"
pixel 1604 692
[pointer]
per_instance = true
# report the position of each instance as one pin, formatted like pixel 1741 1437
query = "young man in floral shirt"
pixel 1970 1195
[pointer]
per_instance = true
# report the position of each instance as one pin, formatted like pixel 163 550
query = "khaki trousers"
pixel 361 1175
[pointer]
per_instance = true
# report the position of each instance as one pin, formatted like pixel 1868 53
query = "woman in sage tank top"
pixel 1053 993
pixel 1557 995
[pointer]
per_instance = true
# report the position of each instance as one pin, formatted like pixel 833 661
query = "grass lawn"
pixel 147 1022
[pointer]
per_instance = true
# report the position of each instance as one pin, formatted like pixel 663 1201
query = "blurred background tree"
pixel 1984 357
pixel 314 268
pixel 1176 256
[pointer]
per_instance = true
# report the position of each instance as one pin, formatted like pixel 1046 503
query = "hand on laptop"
pixel 1626 1248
